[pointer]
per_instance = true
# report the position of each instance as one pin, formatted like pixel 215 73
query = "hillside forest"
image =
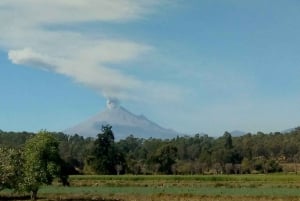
pixel 198 154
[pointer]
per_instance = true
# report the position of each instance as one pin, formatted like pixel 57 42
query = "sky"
pixel 194 66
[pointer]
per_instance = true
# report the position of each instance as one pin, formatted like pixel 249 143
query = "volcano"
pixel 123 122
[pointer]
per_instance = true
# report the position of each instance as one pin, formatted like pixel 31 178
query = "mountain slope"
pixel 123 124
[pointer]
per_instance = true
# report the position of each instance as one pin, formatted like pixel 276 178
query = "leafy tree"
pixel 273 166
pixel 73 150
pixel 165 157
pixel 106 159
pixel 11 171
pixel 246 166
pixel 227 140
pixel 244 145
pixel 42 162
pixel 134 152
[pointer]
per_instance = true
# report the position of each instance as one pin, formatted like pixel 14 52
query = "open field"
pixel 202 187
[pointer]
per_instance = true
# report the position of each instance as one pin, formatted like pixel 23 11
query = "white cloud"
pixel 84 58
pixel 84 69
pixel 65 11
pixel 108 51
pixel 29 57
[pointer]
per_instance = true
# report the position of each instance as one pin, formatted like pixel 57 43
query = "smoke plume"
pixel 93 58
pixel 112 103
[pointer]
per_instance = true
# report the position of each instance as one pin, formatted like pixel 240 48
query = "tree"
pixel 106 159
pixel 134 152
pixel 42 162
pixel 11 171
pixel 227 140
pixel 246 166
pixel 165 157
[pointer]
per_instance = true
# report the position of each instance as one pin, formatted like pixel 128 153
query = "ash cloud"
pixel 86 58
pixel 28 57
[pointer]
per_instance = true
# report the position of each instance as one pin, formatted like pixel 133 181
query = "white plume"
pixel 93 58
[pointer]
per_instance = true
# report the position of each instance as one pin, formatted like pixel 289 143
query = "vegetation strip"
pixel 183 166
pixel 204 178
pixel 215 191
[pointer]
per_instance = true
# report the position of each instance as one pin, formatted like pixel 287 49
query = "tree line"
pixel 198 154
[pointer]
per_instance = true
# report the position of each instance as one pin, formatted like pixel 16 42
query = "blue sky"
pixel 194 66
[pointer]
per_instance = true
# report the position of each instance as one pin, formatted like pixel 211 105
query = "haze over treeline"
pixel 250 153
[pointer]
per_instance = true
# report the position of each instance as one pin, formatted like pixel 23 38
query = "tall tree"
pixel 227 140
pixel 106 159
pixel 42 162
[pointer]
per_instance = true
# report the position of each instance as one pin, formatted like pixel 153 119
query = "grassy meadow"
pixel 158 187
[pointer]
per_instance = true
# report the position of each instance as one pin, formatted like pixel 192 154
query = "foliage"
pixel 164 158
pixel 198 154
pixel 42 161
pixel 10 168
pixel 14 139
pixel 106 159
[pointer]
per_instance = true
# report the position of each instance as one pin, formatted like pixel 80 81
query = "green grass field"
pixel 201 187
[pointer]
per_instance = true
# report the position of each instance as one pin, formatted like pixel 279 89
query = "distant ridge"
pixel 237 133
pixel 123 122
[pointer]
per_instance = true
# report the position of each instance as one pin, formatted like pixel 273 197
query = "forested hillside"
pixel 198 154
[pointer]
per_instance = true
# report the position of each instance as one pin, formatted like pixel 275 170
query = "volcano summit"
pixel 123 122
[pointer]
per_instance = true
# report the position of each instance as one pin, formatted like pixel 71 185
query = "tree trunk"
pixel 33 194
